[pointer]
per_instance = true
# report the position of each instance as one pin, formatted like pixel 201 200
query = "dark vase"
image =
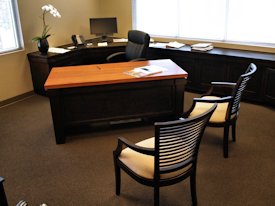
pixel 43 46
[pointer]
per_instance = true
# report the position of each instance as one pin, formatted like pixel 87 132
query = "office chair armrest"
pixel 222 88
pixel 122 141
pixel 116 57
pixel 138 59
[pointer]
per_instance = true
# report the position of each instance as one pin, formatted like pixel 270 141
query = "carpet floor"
pixel 81 173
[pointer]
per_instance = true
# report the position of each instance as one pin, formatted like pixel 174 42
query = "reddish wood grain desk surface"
pixel 110 73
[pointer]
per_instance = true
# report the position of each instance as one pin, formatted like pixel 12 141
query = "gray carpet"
pixel 80 172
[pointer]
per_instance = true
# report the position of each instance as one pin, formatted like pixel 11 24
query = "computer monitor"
pixel 103 26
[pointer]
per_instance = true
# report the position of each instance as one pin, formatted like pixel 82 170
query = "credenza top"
pixel 109 73
pixel 216 51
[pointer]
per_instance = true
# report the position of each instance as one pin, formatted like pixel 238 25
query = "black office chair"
pixel 167 158
pixel 136 48
pixel 227 112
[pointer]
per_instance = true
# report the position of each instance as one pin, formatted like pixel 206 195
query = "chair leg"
pixel 225 141
pixel 234 131
pixel 193 189
pixel 117 178
pixel 156 196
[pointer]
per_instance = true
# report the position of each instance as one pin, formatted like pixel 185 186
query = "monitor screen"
pixel 103 26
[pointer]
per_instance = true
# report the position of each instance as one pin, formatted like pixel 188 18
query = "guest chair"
pixel 167 158
pixel 136 48
pixel 228 108
pixel 3 198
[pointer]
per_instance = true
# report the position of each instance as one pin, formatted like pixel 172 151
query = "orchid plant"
pixel 53 11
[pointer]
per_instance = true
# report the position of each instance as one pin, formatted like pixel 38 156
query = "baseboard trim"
pixel 16 98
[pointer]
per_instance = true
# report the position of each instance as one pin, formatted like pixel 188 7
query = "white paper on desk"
pixel 58 50
pixel 102 44
pixel 158 45
pixel 201 45
pixel 146 70
pixel 175 44
pixel 120 40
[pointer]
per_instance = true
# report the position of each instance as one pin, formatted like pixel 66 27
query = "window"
pixel 246 21
pixel 10 31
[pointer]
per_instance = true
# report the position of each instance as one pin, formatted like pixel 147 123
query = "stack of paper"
pixel 58 50
pixel 102 44
pixel 120 40
pixel 145 71
pixel 158 45
pixel 175 44
pixel 202 46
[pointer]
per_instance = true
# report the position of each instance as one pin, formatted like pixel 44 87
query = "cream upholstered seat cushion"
pixel 143 165
pixel 219 114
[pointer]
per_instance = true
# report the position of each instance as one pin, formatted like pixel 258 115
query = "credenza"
pixel 202 67
pixel 224 65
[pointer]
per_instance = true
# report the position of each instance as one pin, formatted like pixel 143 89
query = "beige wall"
pixel 122 9
pixel 15 74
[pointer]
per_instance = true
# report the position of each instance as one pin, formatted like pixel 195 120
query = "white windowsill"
pixel 226 45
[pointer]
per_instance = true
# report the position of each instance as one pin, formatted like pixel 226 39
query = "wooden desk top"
pixel 110 73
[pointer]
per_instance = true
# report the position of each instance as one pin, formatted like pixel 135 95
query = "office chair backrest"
pixel 240 86
pixel 137 45
pixel 177 142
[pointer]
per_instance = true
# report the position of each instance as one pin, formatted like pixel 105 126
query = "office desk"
pixel 103 92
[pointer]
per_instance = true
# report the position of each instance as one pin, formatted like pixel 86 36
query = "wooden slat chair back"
pixel 167 158
pixel 228 108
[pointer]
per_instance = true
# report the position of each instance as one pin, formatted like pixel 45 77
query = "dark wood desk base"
pixel 83 105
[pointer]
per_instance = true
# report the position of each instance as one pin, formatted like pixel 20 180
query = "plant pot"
pixel 43 46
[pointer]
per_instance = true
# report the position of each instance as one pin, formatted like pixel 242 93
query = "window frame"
pixel 17 30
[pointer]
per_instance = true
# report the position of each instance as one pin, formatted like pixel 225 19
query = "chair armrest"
pixel 220 100
pixel 220 87
pixel 122 141
pixel 115 57
pixel 223 84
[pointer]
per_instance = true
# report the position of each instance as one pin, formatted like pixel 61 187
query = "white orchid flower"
pixel 51 6
pixel 48 8
pixel 45 8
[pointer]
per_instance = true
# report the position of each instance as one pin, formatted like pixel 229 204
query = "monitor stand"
pixel 104 38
